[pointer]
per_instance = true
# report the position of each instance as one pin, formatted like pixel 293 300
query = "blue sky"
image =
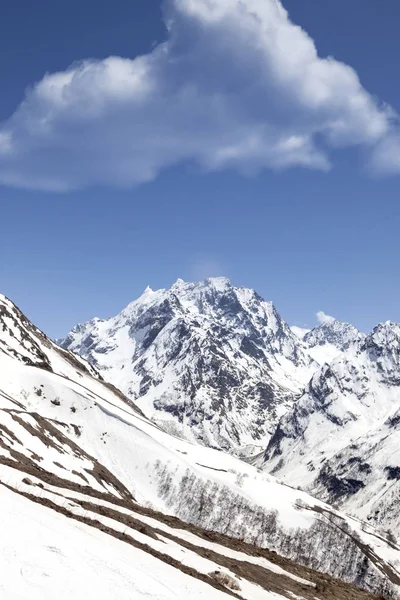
pixel 212 190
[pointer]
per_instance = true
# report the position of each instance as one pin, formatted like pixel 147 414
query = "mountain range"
pixel 129 459
pixel 210 362
pixel 341 439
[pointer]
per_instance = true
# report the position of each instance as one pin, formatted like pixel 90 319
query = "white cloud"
pixel 323 318
pixel 5 142
pixel 236 85
pixel 202 268
pixel 385 159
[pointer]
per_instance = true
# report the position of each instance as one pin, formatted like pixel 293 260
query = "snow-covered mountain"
pixel 89 486
pixel 341 440
pixel 208 361
pixel 330 338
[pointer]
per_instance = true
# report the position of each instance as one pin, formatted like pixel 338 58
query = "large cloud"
pixel 237 85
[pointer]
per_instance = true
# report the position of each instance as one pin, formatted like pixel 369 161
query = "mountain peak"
pixel 219 282
pixel 330 338
pixel 206 360
pixel 325 319
pixel 332 331
pixel 179 283
pixel 384 340
pixel 386 331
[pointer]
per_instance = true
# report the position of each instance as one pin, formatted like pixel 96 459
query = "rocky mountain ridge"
pixel 341 439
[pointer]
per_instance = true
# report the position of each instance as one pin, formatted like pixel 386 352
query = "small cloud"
pixel 5 142
pixel 203 268
pixel 323 318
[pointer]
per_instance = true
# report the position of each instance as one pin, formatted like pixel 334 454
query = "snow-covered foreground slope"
pixel 45 555
pixel 208 361
pixel 53 547
pixel 75 446
pixel 342 439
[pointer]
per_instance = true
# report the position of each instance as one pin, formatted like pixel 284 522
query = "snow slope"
pixel 208 361
pixel 68 559
pixel 299 331
pixel 74 445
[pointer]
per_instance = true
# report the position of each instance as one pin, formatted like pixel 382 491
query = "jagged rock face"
pixel 331 331
pixel 208 361
pixel 341 440
pixel 331 338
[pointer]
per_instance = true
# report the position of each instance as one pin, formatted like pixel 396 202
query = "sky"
pixel 145 142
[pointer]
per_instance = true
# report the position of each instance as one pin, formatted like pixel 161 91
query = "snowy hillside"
pixel 209 361
pixel 93 549
pixel 80 464
pixel 341 440
pixel 83 548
